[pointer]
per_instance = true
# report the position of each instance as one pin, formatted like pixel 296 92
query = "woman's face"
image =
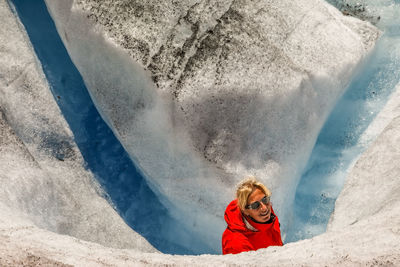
pixel 263 213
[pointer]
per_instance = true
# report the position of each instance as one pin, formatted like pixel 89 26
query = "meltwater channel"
pixel 127 190
pixel 336 148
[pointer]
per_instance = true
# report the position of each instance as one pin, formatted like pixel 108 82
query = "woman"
pixel 252 223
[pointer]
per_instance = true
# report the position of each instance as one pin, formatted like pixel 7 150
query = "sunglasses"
pixel 255 205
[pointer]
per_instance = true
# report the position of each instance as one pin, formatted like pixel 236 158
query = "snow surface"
pixel 364 229
pixel 216 91
pixel 42 173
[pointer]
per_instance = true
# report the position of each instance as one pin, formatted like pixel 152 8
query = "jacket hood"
pixel 233 217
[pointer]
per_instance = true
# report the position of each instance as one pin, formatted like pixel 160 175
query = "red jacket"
pixel 238 237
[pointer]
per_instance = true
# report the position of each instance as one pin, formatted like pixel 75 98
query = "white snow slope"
pixel 364 230
pixel 42 172
pixel 214 91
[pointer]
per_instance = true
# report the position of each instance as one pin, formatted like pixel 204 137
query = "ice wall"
pixel 342 139
pixel 42 174
pixel 212 92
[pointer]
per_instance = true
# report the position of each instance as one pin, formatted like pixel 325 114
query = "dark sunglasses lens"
pixel 255 205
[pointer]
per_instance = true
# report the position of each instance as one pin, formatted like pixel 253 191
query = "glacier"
pixel 223 96
pixel 155 108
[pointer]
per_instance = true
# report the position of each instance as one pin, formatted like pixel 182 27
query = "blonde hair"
pixel 246 187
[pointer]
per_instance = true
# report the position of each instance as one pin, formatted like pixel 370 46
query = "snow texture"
pixel 212 92
pixel 364 229
pixel 42 173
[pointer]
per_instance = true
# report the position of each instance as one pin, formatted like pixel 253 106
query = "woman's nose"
pixel 263 206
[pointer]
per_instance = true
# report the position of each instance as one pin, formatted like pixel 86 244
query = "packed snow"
pixel 58 195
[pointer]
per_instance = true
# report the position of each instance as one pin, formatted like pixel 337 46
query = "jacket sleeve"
pixel 234 242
